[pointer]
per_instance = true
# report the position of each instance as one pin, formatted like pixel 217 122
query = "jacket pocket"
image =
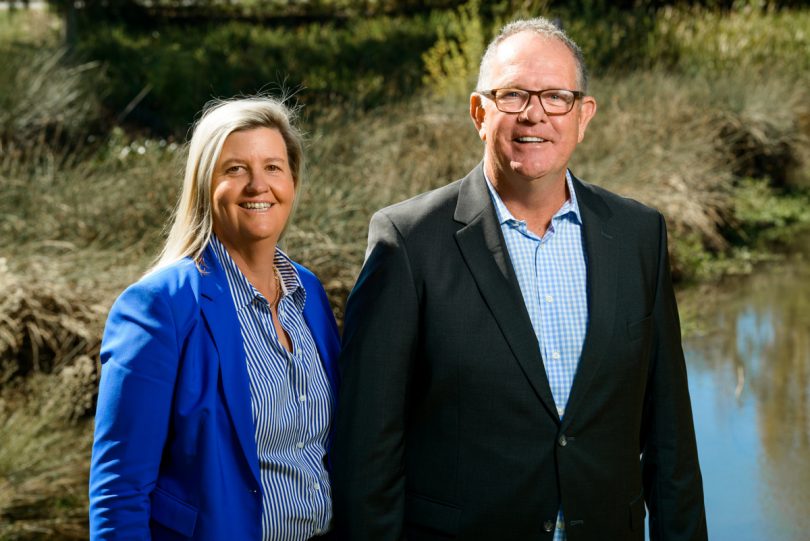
pixel 173 513
pixel 432 514
pixel 637 514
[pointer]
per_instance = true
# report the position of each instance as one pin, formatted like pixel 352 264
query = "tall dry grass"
pixel 44 457
pixel 682 143
pixel 49 338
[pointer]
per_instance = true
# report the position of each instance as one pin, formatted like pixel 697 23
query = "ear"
pixel 586 112
pixel 478 114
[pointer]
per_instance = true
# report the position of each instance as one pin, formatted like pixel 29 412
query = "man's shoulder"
pixel 617 204
pixel 425 209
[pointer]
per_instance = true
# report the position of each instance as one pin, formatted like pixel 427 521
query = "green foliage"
pixel 762 221
pixel 361 64
pixel 451 65
pixel 615 40
pixel 763 213
pixel 750 37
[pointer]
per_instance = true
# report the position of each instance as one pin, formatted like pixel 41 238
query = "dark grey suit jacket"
pixel 446 427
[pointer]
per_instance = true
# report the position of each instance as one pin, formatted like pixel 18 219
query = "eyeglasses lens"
pixel 513 100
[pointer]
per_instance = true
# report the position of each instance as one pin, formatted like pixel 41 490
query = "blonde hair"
pixel 192 221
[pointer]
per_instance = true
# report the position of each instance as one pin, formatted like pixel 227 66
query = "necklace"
pixel 277 296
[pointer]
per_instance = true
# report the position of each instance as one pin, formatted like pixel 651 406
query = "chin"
pixel 530 173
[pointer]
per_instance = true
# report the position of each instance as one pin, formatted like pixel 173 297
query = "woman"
pixel 218 378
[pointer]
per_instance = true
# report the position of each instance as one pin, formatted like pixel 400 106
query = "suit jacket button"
pixel 562 441
pixel 548 525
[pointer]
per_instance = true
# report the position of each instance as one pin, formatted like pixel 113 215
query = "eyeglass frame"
pixel 492 95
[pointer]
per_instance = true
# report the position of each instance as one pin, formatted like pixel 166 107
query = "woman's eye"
pixel 233 169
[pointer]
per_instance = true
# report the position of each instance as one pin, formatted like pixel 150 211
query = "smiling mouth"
pixel 530 140
pixel 256 205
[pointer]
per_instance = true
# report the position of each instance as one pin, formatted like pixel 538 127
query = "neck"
pixel 534 201
pixel 255 260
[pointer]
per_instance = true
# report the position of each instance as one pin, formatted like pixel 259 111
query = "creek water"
pixel 749 379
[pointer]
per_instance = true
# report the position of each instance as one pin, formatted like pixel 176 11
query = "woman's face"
pixel 252 190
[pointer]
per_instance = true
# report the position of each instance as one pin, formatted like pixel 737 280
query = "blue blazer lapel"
pixel 223 326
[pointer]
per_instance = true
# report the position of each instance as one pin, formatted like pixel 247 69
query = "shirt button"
pixel 555 354
pixel 318 531
pixel 563 441
pixel 300 444
pixel 316 486
pixel 302 398
pixel 560 412
pixel 548 525
pixel 549 298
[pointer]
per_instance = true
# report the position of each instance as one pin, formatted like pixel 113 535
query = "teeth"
pixel 256 206
pixel 531 140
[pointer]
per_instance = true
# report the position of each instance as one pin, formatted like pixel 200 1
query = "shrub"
pixel 363 63
pixel 451 65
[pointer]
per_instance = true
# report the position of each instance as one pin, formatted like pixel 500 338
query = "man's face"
pixel 530 146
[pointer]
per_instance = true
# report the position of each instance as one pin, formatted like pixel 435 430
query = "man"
pixel 512 345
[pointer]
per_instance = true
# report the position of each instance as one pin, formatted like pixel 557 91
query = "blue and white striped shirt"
pixel 552 273
pixel 291 401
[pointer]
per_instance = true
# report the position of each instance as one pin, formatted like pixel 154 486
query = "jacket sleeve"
pixel 139 357
pixel 379 345
pixel 673 486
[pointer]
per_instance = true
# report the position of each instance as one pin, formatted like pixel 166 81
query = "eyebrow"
pixel 273 159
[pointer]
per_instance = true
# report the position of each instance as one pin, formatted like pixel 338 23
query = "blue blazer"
pixel 174 454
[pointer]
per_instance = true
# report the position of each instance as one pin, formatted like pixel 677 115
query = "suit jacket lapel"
pixel 223 326
pixel 484 250
pixel 602 275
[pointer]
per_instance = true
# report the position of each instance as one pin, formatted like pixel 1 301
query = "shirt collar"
pixel 570 206
pixel 242 290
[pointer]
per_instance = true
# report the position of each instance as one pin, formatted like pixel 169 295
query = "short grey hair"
pixel 192 222
pixel 542 27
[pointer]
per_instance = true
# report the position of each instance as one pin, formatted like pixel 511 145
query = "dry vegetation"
pixel 79 221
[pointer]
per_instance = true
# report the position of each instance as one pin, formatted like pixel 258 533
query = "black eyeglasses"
pixel 554 101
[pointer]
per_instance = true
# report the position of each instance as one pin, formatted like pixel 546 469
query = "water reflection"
pixel 749 374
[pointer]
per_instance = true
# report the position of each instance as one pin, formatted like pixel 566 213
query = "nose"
pixel 534 112
pixel 257 183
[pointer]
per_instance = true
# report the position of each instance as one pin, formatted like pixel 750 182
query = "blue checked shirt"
pixel 552 273
pixel 291 402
